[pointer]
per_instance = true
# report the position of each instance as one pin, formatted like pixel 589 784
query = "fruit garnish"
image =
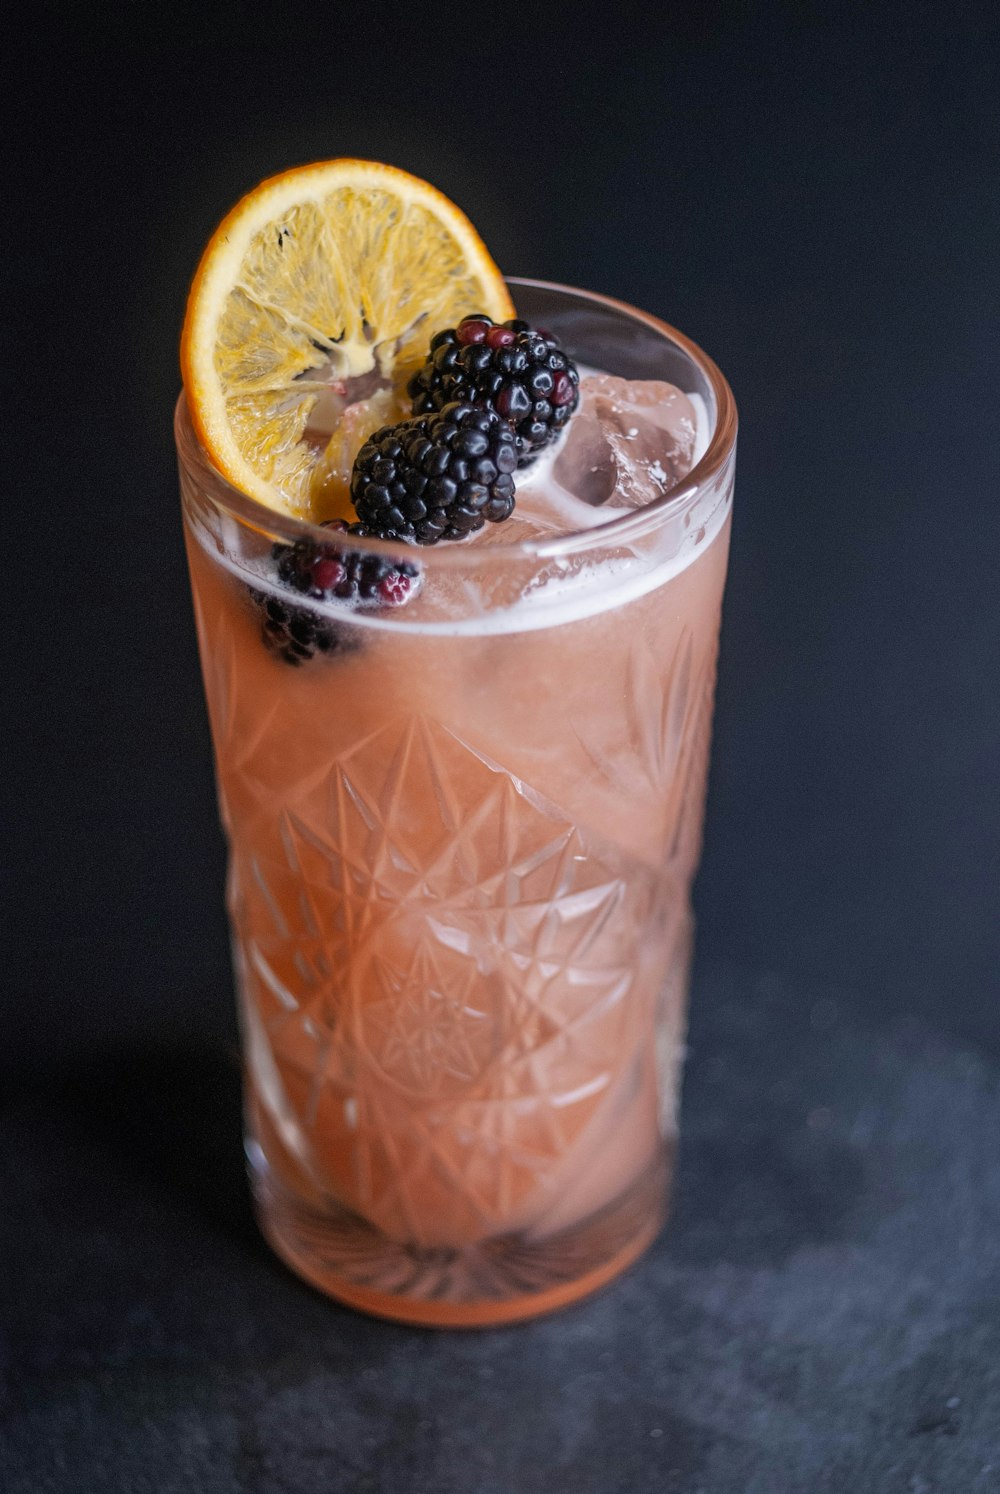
pixel 327 573
pixel 439 476
pixel 521 373
pixel 323 285
pixel 330 485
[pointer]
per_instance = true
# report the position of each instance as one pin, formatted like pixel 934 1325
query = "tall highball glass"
pixel 460 860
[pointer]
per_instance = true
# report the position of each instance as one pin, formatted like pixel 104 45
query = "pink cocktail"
pixel 462 838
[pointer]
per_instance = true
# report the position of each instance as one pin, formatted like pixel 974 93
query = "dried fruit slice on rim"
pixel 322 276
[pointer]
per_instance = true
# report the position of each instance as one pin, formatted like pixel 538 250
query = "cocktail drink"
pixel 463 787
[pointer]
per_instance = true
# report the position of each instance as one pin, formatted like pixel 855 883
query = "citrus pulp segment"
pixel 332 273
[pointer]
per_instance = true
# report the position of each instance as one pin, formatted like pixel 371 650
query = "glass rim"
pixel 628 525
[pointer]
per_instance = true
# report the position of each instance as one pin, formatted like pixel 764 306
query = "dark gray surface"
pixel 810 192
pixel 821 1314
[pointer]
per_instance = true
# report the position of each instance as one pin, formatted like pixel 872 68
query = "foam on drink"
pixel 665 451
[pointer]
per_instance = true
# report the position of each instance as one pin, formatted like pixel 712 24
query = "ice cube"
pixel 628 443
pixel 345 429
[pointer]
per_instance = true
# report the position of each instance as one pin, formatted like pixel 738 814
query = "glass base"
pixel 503 1280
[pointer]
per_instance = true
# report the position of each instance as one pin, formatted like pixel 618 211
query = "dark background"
pixel 810 191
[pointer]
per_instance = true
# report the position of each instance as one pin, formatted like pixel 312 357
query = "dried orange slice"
pixel 327 281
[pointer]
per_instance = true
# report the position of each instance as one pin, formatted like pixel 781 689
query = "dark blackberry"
pixel 438 476
pixel 295 635
pixel 521 373
pixel 327 573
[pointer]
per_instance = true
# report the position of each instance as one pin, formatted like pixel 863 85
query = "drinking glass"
pixel 461 845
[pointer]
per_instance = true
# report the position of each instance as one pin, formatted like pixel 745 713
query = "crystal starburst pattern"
pixel 444 987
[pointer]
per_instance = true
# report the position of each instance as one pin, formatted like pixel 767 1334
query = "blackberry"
pixel 293 634
pixel 327 573
pixel 521 373
pixel 437 476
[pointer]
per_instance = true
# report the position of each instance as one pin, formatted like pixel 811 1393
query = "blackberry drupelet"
pixel 327 573
pixel 521 373
pixel 437 476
